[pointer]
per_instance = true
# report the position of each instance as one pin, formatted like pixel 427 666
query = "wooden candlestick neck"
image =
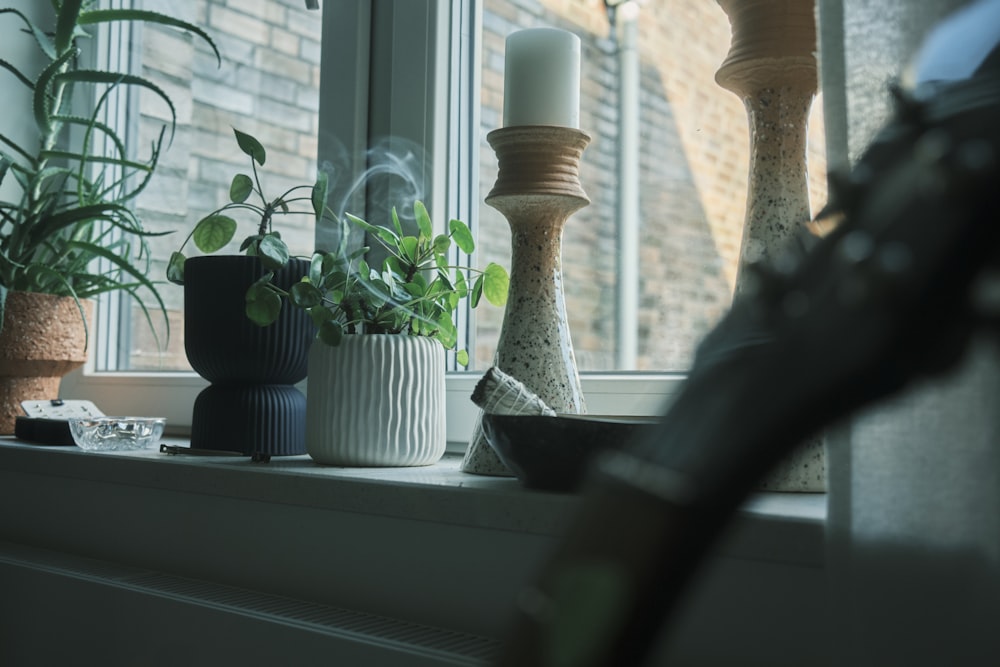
pixel 769 40
pixel 538 160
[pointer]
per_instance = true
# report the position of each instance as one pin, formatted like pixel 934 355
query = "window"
pixel 421 81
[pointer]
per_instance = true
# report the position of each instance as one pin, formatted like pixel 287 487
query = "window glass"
pixel 693 160
pixel 693 154
pixel 268 86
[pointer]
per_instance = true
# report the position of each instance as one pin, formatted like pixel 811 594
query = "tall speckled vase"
pixel 772 67
pixel 537 189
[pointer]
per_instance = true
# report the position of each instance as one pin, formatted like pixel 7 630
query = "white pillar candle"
pixel 542 78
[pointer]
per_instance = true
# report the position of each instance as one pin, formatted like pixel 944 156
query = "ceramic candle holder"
pixel 772 67
pixel 537 189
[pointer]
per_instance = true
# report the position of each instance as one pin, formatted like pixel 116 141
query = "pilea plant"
pixel 216 230
pixel 415 291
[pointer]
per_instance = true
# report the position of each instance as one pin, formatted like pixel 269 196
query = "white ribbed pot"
pixel 376 400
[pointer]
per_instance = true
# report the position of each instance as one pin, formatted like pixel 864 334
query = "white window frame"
pixel 421 99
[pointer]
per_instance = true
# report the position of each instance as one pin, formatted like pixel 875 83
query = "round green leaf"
pixel 461 286
pixel 331 332
pixel 175 268
pixel 462 236
pixel 240 188
pixel 213 232
pixel 477 291
pixel 441 244
pixel 305 295
pixel 408 246
pixel 319 194
pixel 262 305
pixel 316 269
pixel 496 283
pixel 447 333
pixel 321 314
pixel 251 146
pixel 463 357
pixel 424 223
pixel 273 252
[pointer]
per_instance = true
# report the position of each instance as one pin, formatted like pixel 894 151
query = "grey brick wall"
pixel 693 158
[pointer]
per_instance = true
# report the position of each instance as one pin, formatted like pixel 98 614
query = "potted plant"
pixel 376 385
pixel 68 233
pixel 252 405
pixel 376 380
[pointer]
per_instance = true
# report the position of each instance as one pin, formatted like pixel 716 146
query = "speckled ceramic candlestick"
pixel 771 66
pixel 537 189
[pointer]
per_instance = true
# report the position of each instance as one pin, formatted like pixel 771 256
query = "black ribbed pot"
pixel 252 405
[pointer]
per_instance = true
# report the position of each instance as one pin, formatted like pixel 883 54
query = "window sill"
pixel 381 541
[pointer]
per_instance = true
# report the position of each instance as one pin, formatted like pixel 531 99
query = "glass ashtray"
pixel 107 434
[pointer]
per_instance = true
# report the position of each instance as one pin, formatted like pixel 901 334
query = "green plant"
pixel 415 292
pixel 216 230
pixel 71 232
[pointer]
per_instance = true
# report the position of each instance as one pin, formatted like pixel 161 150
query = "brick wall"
pixel 267 86
pixel 693 166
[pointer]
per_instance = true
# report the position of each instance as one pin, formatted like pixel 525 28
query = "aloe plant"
pixel 415 291
pixel 71 232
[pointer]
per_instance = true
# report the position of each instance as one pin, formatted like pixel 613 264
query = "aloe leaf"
pixel 213 232
pixel 17 73
pixel 108 131
pixel 251 147
pixel 41 103
pixel 121 263
pixel 44 41
pixel 110 15
pixel 115 78
pixel 462 236
pixel 97 159
pixel 66 23
pixel 20 151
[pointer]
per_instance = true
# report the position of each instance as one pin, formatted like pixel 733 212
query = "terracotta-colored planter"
pixel 43 338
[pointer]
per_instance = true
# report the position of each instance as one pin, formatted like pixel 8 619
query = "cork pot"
pixel 376 400
pixel 43 338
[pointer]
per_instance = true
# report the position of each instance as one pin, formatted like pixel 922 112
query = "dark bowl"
pixel 553 453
